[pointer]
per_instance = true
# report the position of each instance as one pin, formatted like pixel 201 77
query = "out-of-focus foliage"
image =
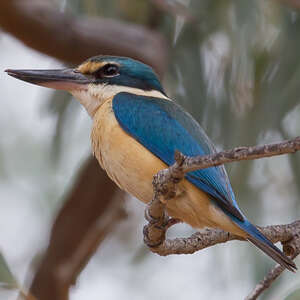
pixel 235 66
pixel 294 296
pixel 7 279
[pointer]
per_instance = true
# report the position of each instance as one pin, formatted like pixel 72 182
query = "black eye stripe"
pixel 109 70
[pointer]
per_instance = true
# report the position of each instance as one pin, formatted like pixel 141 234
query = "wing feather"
pixel 163 127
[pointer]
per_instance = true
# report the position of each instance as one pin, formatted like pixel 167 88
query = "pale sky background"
pixel 31 190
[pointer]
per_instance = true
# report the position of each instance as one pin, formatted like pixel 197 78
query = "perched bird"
pixel 136 130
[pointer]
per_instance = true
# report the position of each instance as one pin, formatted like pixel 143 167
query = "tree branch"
pixel 73 39
pixel 88 215
pixel 164 185
pixel 239 153
pixel 268 280
pixel 292 248
pixel 209 237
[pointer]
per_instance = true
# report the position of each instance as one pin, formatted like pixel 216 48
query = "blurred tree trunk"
pixel 37 24
pixel 91 211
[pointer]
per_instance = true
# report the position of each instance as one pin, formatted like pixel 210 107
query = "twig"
pixel 239 153
pixel 164 185
pixel 165 181
pixel 209 237
pixel 293 249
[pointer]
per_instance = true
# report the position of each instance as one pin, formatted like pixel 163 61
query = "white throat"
pixel 93 96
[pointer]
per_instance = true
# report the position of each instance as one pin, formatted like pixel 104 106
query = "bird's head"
pixel 97 79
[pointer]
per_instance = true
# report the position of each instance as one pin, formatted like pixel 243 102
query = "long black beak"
pixel 65 79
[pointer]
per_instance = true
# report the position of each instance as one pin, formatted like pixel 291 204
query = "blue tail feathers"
pixel 264 244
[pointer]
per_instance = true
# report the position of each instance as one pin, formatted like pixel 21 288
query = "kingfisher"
pixel 136 130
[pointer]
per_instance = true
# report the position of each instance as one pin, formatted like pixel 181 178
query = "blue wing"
pixel 163 127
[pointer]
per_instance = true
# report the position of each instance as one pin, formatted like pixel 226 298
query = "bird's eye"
pixel 109 70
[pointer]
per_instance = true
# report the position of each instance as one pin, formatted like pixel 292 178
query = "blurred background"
pixel 67 232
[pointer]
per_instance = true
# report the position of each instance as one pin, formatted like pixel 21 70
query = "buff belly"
pixel 132 167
